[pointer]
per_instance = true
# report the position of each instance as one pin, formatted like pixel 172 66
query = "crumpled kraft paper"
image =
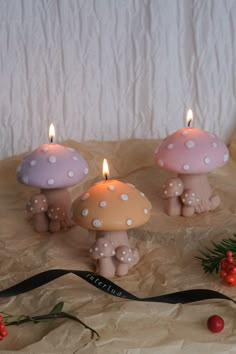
pixel 167 247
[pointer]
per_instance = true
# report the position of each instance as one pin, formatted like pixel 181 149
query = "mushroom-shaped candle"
pixel 52 168
pixel 191 153
pixel 111 207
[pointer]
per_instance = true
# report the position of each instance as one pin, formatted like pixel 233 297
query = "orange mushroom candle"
pixel 191 153
pixel 110 208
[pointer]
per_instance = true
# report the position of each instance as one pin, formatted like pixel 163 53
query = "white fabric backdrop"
pixel 114 69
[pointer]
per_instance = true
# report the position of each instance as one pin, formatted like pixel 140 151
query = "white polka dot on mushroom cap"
pixel 207 160
pixel 18 168
pixel 186 167
pixel 75 158
pixel 129 222
pixel 214 145
pixel 131 185
pixel 97 223
pixel 226 157
pixel 33 163
pixel 51 181
pixel 45 149
pixel 142 194
pixel 25 179
pixel 70 173
pixel 111 188
pixel 184 133
pixel 170 146
pixel 124 197
pixel 145 211
pixel 102 204
pixel 85 196
pixel 160 163
pixel 52 159
pixel 84 212
pixel 190 144
pixel 86 170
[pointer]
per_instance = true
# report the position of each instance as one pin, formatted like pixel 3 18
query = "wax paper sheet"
pixel 167 247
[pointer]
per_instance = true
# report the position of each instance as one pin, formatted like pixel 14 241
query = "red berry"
pixel 229 254
pixel 223 273
pixel 4 333
pixel 230 279
pixel 215 323
pixel 2 326
pixel 230 259
pixel 232 270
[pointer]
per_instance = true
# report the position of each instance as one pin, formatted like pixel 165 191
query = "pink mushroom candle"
pixel 110 208
pixel 51 168
pixel 191 153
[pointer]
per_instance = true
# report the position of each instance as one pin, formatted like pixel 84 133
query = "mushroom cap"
pixel 125 254
pixel 52 166
pixel 102 248
pixel 111 205
pixel 37 204
pixel 190 198
pixel 173 187
pixel 191 150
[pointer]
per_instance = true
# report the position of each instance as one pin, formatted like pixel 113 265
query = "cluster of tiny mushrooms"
pixel 110 207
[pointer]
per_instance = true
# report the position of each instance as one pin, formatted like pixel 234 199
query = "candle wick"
pixel 189 122
pixel 106 177
pixel 51 139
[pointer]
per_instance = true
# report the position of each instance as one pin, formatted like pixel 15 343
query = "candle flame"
pixel 51 132
pixel 189 117
pixel 105 169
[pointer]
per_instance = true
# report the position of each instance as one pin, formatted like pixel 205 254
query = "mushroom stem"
pixel 40 222
pixel 174 206
pixel 59 199
pixel 198 183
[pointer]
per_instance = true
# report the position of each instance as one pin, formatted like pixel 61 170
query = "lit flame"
pixel 189 117
pixel 51 132
pixel 105 169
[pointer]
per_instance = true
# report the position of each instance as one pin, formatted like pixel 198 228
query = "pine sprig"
pixel 211 257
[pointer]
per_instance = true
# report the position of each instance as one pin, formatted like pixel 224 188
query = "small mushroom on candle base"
pixel 37 207
pixel 111 208
pixel 192 153
pixel 172 190
pixel 52 168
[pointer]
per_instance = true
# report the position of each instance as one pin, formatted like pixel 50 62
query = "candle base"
pixel 196 196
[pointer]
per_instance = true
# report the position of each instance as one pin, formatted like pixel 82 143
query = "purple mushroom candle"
pixel 51 168
pixel 191 153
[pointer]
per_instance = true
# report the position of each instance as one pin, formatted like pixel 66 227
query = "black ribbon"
pixel 182 297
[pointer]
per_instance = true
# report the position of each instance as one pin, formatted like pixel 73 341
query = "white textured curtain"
pixel 114 69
